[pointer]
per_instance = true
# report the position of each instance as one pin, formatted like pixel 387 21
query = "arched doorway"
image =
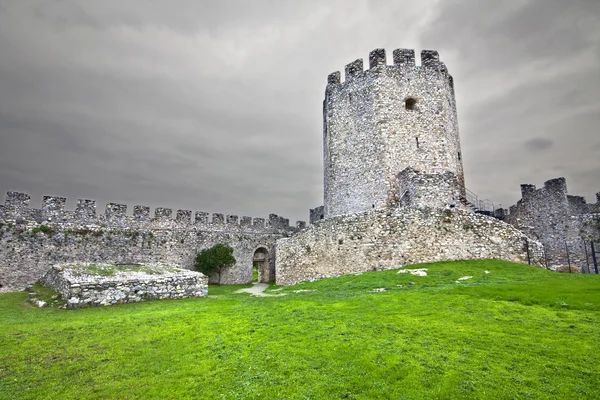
pixel 265 268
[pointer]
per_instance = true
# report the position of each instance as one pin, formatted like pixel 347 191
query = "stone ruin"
pixel 85 285
pixel 566 225
pixel 394 194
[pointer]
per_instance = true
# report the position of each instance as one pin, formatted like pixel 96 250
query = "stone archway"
pixel 263 261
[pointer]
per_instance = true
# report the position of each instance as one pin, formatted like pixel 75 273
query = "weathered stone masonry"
pixel 563 223
pixel 383 120
pixel 82 290
pixel 394 194
pixel 379 240
pixel 27 252
pixel 393 178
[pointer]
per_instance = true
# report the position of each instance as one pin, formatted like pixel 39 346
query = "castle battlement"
pixel 17 209
pixel 383 120
pixel 402 59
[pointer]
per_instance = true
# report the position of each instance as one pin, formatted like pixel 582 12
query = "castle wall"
pixel 371 134
pixel 379 240
pixel 419 190
pixel 31 240
pixel 563 223
pixel 317 214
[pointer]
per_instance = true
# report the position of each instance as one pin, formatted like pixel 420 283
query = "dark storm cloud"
pixel 216 106
pixel 538 144
pixel 528 74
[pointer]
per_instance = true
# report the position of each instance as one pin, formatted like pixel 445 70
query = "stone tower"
pixel 386 125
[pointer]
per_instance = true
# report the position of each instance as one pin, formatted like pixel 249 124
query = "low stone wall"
pixel 81 288
pixel 379 240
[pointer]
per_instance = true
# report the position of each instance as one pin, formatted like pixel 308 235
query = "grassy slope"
pixel 517 332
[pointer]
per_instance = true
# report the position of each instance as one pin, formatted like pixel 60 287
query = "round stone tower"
pixel 388 130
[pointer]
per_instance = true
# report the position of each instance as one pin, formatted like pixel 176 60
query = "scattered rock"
pixel 416 272
pixel 464 278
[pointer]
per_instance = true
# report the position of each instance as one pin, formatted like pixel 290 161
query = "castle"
pixel 394 194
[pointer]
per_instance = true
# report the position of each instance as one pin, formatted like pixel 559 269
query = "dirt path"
pixel 258 289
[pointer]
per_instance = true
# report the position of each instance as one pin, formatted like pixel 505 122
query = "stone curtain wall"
pixel 370 135
pixel 378 240
pixel 32 240
pixel 563 223
pixel 133 287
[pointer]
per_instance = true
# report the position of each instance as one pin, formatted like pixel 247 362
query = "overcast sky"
pixel 216 106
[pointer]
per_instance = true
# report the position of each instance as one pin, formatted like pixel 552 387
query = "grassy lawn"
pixel 516 332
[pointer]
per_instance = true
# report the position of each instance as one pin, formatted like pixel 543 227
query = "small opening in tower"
pixel 459 156
pixel 410 103
pixel 417 139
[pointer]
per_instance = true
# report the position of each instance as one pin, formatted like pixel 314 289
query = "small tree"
pixel 214 260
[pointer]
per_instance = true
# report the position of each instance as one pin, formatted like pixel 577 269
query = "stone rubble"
pixel 85 290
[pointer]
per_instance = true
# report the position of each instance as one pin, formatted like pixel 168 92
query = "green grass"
pixel 111 270
pixel 515 333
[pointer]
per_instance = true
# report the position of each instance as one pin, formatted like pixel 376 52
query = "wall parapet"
pixel 402 58
pixel 17 210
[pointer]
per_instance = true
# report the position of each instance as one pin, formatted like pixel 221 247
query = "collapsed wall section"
pixel 152 282
pixel 379 240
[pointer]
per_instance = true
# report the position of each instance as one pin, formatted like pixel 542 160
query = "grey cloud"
pixel 538 144
pixel 217 105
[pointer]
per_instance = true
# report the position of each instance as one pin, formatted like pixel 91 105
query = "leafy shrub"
pixel 42 228
pixel 214 260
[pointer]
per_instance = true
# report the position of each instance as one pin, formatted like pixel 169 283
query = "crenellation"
pixel 245 222
pixel 430 59
pixel 527 190
pixel 559 220
pixel 334 78
pixel 163 213
pixel 404 57
pixel 377 58
pixel 184 216
pixel 218 219
pixel 17 200
pixel 53 205
pixel 316 214
pixel 83 236
pixel 394 193
pixel 115 210
pixel 557 185
pixel 443 68
pixel 258 222
pixel 383 123
pixel 141 213
pixel 201 217
pixel 86 209
pixel 354 68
